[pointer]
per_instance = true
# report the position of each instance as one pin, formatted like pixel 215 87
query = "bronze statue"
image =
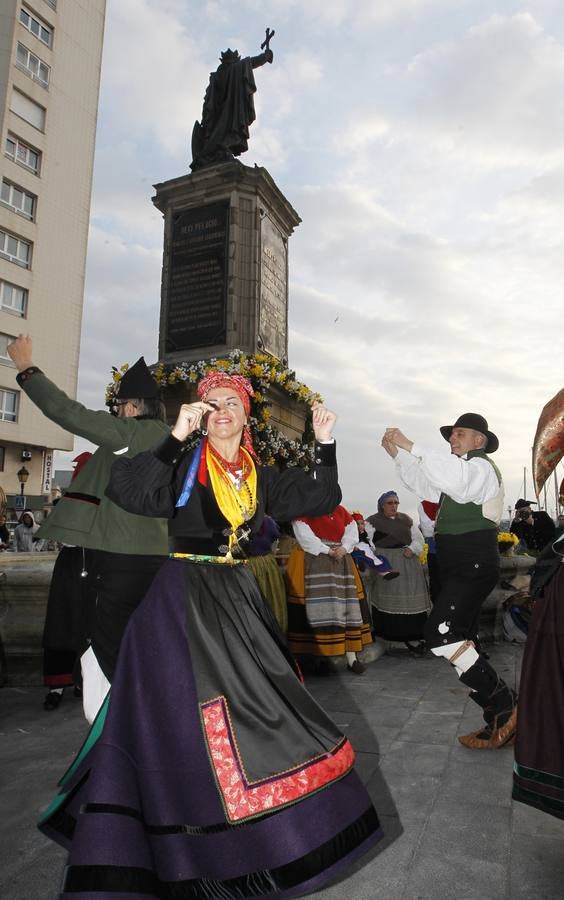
pixel 229 108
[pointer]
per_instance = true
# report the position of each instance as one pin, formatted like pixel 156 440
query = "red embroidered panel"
pixel 242 798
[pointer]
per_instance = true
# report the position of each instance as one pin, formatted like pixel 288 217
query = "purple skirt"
pixel 210 771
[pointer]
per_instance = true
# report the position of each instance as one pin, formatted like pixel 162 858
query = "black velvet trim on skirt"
pixel 265 882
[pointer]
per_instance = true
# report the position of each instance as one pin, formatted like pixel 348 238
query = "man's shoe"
pixel 491 737
pixel 52 701
pixel 389 576
pixel 477 740
pixel 506 732
pixel 357 668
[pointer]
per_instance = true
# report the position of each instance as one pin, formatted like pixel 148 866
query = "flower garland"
pixel 263 371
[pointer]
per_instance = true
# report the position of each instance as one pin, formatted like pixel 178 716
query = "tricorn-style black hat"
pixel 522 504
pixel 137 383
pixel 477 423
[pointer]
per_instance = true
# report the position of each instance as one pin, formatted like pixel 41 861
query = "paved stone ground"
pixel 452 830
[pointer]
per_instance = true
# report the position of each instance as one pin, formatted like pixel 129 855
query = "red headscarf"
pixel 238 383
pixel 242 387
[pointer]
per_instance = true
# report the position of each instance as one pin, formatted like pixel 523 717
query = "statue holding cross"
pixel 229 108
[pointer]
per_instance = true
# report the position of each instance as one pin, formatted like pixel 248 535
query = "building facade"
pixel 50 60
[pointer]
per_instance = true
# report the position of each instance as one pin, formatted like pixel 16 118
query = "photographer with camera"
pixel 534 529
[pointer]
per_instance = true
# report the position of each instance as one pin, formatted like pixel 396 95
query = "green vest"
pixel 458 518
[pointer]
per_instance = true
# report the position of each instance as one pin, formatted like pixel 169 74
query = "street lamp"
pixel 23 475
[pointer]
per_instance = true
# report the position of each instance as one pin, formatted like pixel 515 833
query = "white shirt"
pixel 309 541
pixel 429 473
pixel 426 524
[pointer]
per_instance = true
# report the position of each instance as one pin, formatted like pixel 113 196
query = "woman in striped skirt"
pixel 327 611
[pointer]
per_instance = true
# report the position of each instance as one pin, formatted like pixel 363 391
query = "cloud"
pixel 492 93
pixel 154 74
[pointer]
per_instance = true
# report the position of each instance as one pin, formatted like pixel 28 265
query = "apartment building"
pixel 50 59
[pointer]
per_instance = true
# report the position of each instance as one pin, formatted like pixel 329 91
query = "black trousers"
pixel 120 580
pixel 469 567
pixel 68 619
pixel 434 577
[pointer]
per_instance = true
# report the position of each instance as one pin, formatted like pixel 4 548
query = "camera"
pixel 524 513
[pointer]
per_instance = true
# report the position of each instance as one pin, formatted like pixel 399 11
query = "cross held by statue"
pixel 266 43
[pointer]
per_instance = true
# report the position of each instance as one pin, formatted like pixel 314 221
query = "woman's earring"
pixel 203 431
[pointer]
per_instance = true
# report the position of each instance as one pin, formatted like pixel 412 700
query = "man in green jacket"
pixel 125 550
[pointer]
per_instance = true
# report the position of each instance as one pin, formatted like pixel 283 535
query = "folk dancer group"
pixel 208 761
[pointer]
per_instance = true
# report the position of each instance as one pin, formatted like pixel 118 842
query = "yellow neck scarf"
pixel 238 506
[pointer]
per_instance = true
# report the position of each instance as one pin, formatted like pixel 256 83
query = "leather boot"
pixel 499 704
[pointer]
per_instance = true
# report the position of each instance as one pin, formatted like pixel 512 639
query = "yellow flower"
pixel 423 555
pixel 506 537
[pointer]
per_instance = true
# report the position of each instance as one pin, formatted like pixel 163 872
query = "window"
pixel 52 3
pixel 8 405
pixel 36 27
pixel 14 249
pixel 28 109
pixel 29 63
pixel 2 457
pixel 23 154
pixel 13 298
pixel 18 199
pixel 5 339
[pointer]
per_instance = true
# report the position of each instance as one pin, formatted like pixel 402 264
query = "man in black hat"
pixel 535 529
pixel 125 550
pixel 469 488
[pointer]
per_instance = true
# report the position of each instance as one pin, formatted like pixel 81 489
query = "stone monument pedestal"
pixel 225 275
pixel 225 264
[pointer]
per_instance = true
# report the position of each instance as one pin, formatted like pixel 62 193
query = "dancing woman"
pixel 214 772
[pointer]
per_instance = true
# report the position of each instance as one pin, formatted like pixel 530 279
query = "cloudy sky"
pixel 422 143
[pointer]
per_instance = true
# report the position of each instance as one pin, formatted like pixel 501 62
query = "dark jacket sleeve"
pixel 295 493
pixel 147 484
pixel 98 426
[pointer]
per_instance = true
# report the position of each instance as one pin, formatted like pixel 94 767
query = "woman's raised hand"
pixel 190 416
pixel 323 422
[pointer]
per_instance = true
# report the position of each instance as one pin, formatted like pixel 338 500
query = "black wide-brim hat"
pixel 477 423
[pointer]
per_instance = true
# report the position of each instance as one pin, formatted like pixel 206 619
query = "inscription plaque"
pixel 197 284
pixel 273 290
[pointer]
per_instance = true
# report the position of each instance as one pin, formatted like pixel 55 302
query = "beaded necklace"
pixel 238 470
pixel 237 503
